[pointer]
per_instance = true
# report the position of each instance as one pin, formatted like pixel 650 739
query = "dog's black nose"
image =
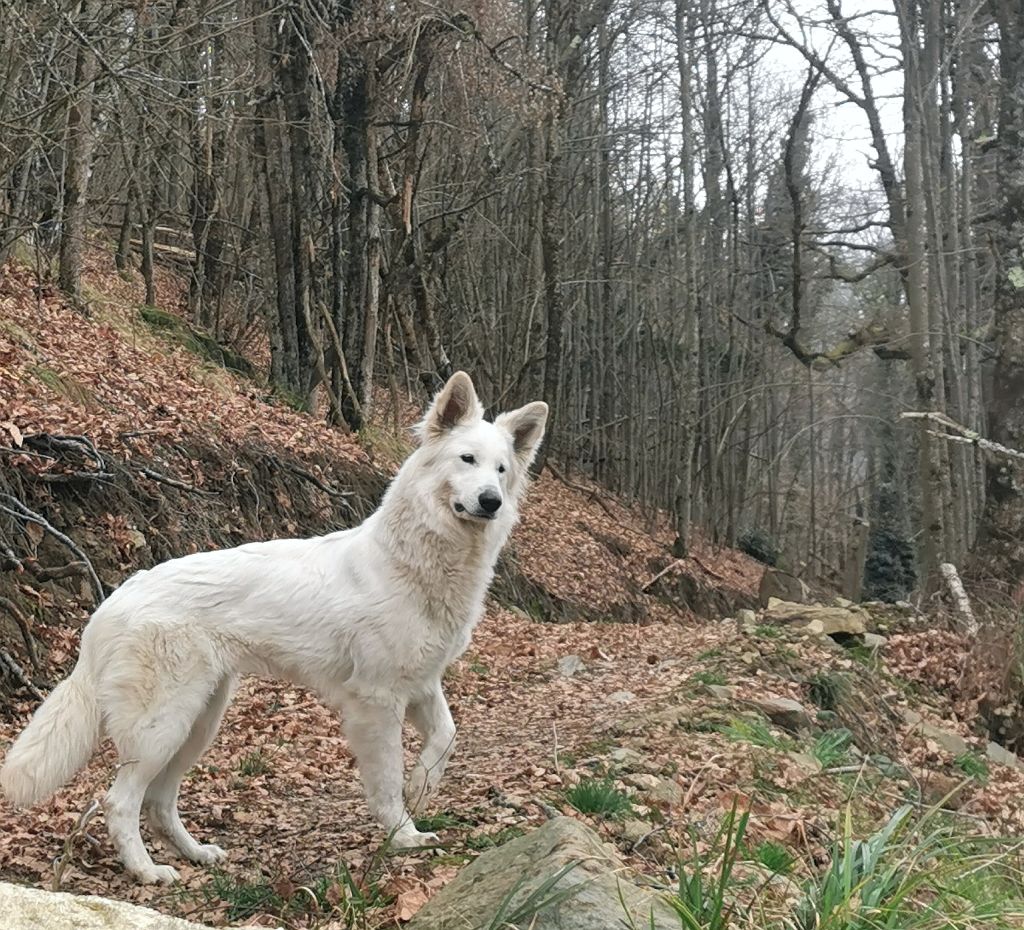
pixel 489 502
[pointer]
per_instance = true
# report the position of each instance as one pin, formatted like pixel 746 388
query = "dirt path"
pixel 279 789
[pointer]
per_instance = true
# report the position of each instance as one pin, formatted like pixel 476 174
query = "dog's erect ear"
pixel 456 403
pixel 526 426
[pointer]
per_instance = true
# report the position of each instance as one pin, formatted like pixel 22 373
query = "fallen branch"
pixel 960 598
pixel 174 482
pixel 962 433
pixel 670 567
pixel 61 862
pixel 317 483
pixel 16 508
pixel 11 666
pixel 591 493
pixel 23 625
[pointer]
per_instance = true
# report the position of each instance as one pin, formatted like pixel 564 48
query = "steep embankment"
pixel 119 432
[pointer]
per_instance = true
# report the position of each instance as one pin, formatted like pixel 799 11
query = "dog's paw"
pixel 158 875
pixel 208 854
pixel 411 838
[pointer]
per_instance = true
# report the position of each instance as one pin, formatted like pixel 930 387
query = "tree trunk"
pixel 1000 548
pixel 77 167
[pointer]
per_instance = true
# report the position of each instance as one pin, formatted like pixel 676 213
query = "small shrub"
pixel 774 857
pixel 708 677
pixel 744 729
pixel 832 747
pixel 827 689
pixel 254 763
pixel 973 766
pixel 598 796
pixel 758 545
pixel 703 900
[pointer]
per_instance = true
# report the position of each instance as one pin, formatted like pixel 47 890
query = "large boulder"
pixel 514 886
pixel 32 909
pixel 816 620
pixel 783 585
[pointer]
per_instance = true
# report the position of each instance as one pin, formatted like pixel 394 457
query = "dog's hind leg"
pixel 147 740
pixel 432 718
pixel 374 734
pixel 161 800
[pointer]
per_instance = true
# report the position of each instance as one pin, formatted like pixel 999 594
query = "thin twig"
pixel 964 435
pixel 174 482
pixel 61 862
pixel 24 513
pixel 8 662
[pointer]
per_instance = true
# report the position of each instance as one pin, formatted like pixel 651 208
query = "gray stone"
pixel 722 692
pixel 594 894
pixel 1002 756
pixel 33 909
pixel 634 830
pixel 784 712
pixel 643 781
pixel 783 585
pixel 621 697
pixel 746 619
pixel 570 665
pixel 815 620
pixel 952 742
pixel 806 762
pixel 666 792
pixel 874 641
pixel 626 758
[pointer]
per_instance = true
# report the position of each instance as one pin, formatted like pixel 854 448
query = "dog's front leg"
pixel 374 734
pixel 432 718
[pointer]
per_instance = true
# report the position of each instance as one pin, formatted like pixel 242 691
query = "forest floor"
pixel 662 711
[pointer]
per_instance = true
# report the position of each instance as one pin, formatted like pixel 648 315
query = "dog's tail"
pixel 58 741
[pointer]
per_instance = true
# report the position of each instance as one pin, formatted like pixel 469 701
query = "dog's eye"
pixel 468 459
pixel 501 469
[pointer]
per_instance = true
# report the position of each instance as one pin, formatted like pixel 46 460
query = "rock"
pixel 666 792
pixel 805 762
pixel 952 742
pixel 816 620
pixel 746 620
pixel 621 697
pixel 842 602
pixel 642 782
pixel 722 692
pixel 634 830
pixel 1002 756
pixel 33 909
pixel 570 665
pixel 642 723
pixel 943 789
pixel 874 642
pixel 783 585
pixel 626 758
pixel 911 717
pixel 784 712
pixel 594 894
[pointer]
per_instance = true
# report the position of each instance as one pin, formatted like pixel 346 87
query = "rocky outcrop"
pixel 816 620
pixel 559 877
pixel 784 586
pixel 33 909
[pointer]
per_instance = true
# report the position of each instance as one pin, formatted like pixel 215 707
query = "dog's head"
pixel 479 465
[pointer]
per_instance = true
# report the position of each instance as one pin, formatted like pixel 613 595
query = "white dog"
pixel 369 618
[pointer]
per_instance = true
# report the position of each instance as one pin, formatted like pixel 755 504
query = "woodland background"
pixel 623 206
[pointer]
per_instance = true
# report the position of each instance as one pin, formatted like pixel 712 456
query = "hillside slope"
pixel 136 448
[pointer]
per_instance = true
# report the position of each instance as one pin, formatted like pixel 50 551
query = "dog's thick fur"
pixel 369 618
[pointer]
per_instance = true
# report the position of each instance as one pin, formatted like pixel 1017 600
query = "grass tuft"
pixel 599 796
